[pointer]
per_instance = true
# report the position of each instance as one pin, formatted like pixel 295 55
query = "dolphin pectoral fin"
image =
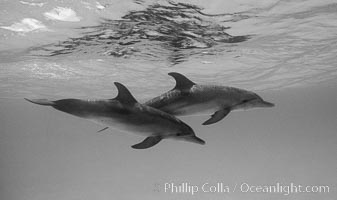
pixel 148 142
pixel 217 116
pixel 182 83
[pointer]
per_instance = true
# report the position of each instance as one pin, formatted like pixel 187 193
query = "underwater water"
pixel 285 51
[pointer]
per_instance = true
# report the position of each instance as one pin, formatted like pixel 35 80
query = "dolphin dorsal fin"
pixel 124 95
pixel 182 83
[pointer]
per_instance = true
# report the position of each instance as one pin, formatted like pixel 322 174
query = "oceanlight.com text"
pixel 244 187
pixel 284 189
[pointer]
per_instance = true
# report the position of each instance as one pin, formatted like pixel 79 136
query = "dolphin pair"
pixel 155 118
pixel 189 98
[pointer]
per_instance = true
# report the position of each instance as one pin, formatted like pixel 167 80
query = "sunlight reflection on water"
pixel 285 48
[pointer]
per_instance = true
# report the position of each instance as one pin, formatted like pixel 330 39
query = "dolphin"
pixel 126 114
pixel 189 98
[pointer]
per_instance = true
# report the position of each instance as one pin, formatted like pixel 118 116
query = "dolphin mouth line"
pixel 268 104
pixel 261 104
pixel 193 138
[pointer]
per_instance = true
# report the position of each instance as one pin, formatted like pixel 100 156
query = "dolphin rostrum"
pixel 125 113
pixel 189 98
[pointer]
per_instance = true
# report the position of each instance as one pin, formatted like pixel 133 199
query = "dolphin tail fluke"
pixel 148 142
pixel 44 102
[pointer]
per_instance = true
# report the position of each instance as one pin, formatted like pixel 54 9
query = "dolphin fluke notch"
pixel 148 142
pixel 182 83
pixel 44 102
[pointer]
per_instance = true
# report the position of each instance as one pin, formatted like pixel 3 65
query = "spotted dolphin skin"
pixel 188 98
pixel 125 113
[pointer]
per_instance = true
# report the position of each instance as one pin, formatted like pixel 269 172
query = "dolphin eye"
pixel 245 101
pixel 181 134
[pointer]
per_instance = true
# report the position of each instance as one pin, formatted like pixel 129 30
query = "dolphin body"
pixel 125 113
pixel 189 98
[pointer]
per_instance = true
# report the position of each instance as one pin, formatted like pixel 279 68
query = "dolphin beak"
pixel 267 104
pixel 195 139
pixel 43 102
